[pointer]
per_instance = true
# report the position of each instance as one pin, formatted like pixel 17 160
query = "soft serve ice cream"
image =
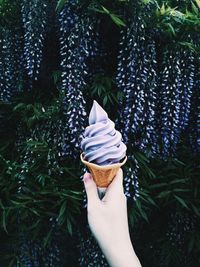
pixel 102 143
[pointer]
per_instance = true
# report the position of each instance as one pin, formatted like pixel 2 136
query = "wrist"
pixel 121 254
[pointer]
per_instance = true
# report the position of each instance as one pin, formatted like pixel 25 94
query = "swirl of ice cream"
pixel 102 144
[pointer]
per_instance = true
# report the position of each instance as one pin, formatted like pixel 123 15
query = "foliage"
pixel 105 88
pixel 41 191
pixel 9 12
pixel 57 196
pixel 166 188
pixel 42 197
pixel 174 18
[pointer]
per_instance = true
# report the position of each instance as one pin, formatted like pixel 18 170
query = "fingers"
pixel 91 189
pixel 115 189
pixel 117 183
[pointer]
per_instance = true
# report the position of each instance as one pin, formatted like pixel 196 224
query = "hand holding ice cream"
pixel 104 153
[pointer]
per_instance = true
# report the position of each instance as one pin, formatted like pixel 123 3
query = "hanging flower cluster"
pixel 33 254
pixel 46 134
pixel 49 135
pixel 137 79
pixel 78 41
pixel 156 103
pixel 177 81
pixel 11 61
pixel 34 19
pixel 131 183
pixel 194 117
pixel 90 253
pixel 179 227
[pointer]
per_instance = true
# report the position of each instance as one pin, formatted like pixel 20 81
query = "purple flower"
pixel 34 19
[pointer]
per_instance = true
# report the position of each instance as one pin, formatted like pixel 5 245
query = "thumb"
pixel 90 188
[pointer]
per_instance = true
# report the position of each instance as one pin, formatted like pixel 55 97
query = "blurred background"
pixel 141 61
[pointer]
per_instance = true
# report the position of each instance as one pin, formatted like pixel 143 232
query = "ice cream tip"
pixel 102 143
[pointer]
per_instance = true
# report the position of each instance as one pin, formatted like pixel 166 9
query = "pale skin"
pixel 108 221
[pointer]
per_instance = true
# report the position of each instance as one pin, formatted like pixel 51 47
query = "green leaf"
pixel 4 220
pixel 162 9
pixel 114 17
pixel 142 212
pixel 171 28
pixel 198 3
pixel 164 194
pixel 105 100
pixel 178 181
pixel 146 1
pixel 196 210
pixel 117 20
pixel 180 162
pixel 35 212
pixel 1 205
pixel 195 9
pixel 191 243
pixel 76 192
pixel 110 99
pixel 33 226
pixel 19 107
pixel 69 226
pixel 62 211
pixel 181 201
pixel 17 203
pixel 97 10
pixel 181 190
pixel 152 201
pixel 56 76
pixel 47 239
pixel 106 11
pixel 60 5
pixel 99 90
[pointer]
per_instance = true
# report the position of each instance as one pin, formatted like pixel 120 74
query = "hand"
pixel 108 221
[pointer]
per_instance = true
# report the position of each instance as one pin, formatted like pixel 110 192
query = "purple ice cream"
pixel 102 144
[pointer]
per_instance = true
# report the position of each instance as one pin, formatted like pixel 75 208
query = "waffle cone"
pixel 103 175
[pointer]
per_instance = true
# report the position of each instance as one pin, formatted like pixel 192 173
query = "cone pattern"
pixel 103 175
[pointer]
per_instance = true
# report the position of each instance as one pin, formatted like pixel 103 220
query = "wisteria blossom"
pixel 78 42
pixel 11 63
pixel 177 84
pixel 34 19
pixel 137 79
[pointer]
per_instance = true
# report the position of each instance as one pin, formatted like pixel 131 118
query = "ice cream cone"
pixel 103 175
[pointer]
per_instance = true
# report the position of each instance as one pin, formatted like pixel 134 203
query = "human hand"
pixel 108 221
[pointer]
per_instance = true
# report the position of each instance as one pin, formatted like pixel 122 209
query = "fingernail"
pixel 86 177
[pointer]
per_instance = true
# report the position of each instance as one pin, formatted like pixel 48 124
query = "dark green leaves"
pixel 60 5
pixel 176 20
pixel 62 212
pixel 115 18
pixel 33 113
pixel 182 202
pixel 104 88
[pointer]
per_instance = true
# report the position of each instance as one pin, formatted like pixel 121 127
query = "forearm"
pixel 121 255
pixel 109 223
